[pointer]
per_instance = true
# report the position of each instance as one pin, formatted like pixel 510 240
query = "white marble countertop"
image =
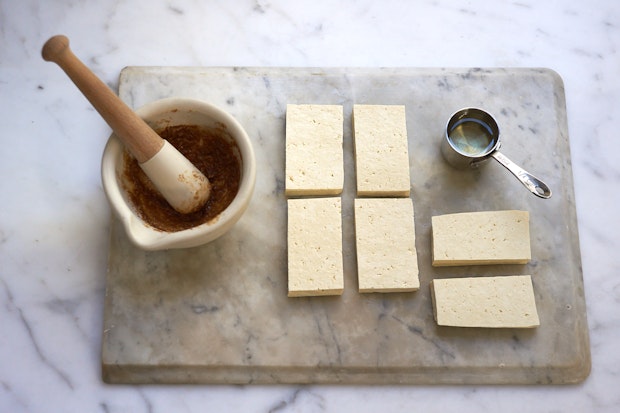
pixel 54 216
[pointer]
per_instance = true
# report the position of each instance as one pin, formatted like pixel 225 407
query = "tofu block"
pixel 385 239
pixel 315 247
pixel 479 238
pixel 314 152
pixel 493 302
pixel 381 150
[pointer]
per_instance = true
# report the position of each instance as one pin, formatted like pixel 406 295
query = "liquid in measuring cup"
pixel 472 137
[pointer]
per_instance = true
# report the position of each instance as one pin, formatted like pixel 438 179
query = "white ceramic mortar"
pixel 170 112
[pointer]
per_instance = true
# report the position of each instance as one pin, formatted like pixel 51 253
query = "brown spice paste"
pixel 214 155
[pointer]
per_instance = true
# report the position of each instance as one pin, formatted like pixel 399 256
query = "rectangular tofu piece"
pixel 385 239
pixel 381 150
pixel 314 152
pixel 492 302
pixel 315 247
pixel 479 238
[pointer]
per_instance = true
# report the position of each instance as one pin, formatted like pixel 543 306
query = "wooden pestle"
pixel 185 188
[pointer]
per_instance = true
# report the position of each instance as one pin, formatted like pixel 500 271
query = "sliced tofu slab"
pixel 477 238
pixel 381 150
pixel 493 302
pixel 314 153
pixel 315 247
pixel 385 243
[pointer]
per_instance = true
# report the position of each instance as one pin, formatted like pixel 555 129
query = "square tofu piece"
pixel 315 247
pixel 478 238
pixel 385 238
pixel 493 302
pixel 381 151
pixel 314 153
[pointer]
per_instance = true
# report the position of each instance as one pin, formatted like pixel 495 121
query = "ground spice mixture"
pixel 217 157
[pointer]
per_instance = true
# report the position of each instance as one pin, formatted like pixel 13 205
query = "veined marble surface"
pixel 157 328
pixel 54 216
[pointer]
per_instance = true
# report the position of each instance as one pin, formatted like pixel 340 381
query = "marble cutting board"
pixel 219 313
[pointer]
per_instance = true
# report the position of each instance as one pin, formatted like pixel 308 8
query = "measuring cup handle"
pixel 535 185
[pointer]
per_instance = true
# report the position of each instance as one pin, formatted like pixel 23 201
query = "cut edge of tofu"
pixel 456 263
pixel 393 193
pixel 316 293
pixel 294 192
pixel 388 290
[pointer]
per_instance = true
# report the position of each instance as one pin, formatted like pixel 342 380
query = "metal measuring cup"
pixel 472 138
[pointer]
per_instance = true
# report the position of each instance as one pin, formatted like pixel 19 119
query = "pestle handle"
pixel 136 135
pixel 184 187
